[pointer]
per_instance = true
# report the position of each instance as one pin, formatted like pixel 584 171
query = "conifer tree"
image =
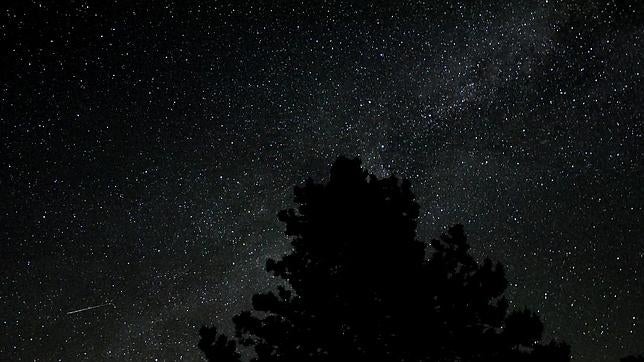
pixel 359 286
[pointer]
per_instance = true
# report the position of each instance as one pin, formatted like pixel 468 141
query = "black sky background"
pixel 146 149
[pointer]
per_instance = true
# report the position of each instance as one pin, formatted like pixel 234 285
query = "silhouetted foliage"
pixel 639 358
pixel 217 348
pixel 360 287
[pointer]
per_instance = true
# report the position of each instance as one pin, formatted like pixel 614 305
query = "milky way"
pixel 146 150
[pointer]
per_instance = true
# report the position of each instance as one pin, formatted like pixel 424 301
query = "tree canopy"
pixel 360 286
pixel 638 358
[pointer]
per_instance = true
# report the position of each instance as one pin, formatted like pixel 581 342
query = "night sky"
pixel 146 150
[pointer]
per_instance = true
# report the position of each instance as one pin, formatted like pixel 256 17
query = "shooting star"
pixel 90 308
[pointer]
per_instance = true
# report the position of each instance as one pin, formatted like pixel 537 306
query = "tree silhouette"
pixel 360 287
pixel 639 358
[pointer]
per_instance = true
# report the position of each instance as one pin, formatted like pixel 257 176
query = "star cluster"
pixel 146 149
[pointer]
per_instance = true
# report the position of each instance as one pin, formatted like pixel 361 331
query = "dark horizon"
pixel 146 151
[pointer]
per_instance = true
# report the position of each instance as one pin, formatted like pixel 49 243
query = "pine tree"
pixel 634 358
pixel 359 287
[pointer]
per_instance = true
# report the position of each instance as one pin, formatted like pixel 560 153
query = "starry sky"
pixel 147 148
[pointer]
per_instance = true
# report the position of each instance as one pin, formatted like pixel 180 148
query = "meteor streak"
pixel 90 308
